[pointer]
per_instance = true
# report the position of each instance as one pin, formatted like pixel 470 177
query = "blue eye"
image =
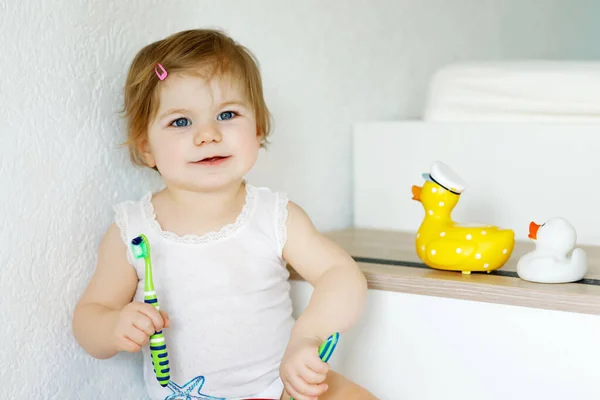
pixel 225 115
pixel 181 122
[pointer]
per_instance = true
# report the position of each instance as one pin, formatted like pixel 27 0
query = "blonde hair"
pixel 190 51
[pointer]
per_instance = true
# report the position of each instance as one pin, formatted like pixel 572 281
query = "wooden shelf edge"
pixel 479 287
pixel 376 249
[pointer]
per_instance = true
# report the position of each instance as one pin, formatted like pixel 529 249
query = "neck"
pixel 212 202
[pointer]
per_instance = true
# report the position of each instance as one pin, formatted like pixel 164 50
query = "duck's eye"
pixel 181 122
pixel 225 115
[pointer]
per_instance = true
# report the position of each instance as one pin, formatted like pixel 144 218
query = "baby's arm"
pixel 339 285
pixel 105 321
pixel 336 303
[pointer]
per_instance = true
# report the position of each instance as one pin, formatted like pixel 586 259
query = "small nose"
pixel 206 134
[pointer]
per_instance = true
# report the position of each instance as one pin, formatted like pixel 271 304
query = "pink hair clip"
pixel 161 75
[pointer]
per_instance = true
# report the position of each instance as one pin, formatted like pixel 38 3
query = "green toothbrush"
pixel 327 347
pixel 158 348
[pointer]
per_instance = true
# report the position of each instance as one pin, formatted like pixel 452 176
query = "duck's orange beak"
pixel 533 230
pixel 416 191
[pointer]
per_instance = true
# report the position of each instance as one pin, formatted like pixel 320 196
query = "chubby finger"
pixel 294 394
pixel 151 312
pixel 144 324
pixel 126 344
pixel 312 377
pixel 317 365
pixel 137 336
pixel 305 389
pixel 166 320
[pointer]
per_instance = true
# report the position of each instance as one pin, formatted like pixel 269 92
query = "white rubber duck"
pixel 554 260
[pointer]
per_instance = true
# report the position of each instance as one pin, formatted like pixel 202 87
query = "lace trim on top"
pixel 225 231
pixel 121 221
pixel 282 215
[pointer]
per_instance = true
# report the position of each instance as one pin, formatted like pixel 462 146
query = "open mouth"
pixel 214 160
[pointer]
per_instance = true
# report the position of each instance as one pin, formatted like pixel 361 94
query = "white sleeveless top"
pixel 227 295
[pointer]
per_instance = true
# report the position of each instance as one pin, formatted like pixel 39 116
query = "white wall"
pixel 515 173
pixel 326 65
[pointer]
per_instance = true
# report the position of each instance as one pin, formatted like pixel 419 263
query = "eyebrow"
pixel 234 103
pixel 172 111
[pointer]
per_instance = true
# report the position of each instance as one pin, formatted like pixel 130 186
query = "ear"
pixel 260 136
pixel 262 141
pixel 144 147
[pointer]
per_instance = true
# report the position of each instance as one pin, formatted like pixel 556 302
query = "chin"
pixel 212 182
pixel 202 180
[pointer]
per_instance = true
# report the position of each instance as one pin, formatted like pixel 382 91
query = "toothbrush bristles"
pixel 139 250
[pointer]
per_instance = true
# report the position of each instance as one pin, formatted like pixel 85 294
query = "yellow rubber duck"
pixel 444 244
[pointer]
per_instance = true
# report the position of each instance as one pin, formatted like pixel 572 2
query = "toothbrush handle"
pixel 327 347
pixel 158 347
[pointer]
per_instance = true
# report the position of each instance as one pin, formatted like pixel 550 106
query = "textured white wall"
pixel 326 65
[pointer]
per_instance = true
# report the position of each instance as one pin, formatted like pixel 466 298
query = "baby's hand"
pixel 302 371
pixel 136 323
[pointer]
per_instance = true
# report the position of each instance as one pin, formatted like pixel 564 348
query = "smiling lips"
pixel 214 160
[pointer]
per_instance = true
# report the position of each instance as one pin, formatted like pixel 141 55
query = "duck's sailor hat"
pixel 444 176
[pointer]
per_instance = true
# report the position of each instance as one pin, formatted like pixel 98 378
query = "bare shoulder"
pixel 298 219
pixel 307 250
pixel 111 240
pixel 114 280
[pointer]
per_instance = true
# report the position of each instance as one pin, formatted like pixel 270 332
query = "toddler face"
pixel 204 134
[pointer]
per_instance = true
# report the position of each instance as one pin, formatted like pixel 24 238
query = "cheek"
pixel 247 148
pixel 167 149
pixel 251 145
pixel 244 137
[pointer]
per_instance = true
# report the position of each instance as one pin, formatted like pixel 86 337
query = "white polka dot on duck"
pixel 430 212
pixel 459 250
pixel 433 252
pixel 504 251
pixel 478 256
pixel 441 203
pixel 422 247
pixel 483 232
pixel 469 237
pixel 486 265
pixel 442 234
pixel 433 190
